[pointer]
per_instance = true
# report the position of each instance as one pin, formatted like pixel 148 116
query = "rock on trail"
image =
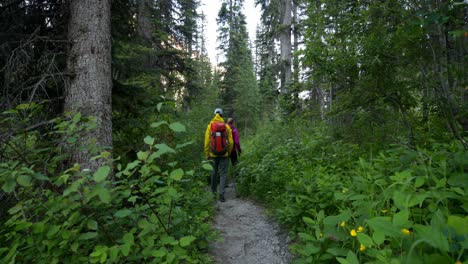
pixel 247 235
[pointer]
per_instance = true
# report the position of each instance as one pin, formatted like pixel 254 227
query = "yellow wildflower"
pixel 458 262
pixel 384 211
pixel 360 229
pixel 405 231
pixel 343 224
pixel 362 247
pixel 353 232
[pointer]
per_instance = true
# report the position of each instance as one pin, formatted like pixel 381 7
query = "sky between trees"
pixel 211 9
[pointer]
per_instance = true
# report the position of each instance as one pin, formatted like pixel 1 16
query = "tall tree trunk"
pixel 89 63
pixel 285 43
pixel 296 42
pixel 144 27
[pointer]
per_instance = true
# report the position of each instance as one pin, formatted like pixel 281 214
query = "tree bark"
pixel 89 63
pixel 296 42
pixel 144 28
pixel 285 43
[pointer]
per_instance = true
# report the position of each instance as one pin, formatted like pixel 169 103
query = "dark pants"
pixel 220 164
pixel 233 158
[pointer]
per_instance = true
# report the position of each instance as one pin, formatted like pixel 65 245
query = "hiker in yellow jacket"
pixel 218 146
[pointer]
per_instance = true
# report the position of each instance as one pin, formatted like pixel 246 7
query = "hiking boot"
pixel 221 198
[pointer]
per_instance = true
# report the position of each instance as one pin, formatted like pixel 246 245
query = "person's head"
pixel 230 121
pixel 218 111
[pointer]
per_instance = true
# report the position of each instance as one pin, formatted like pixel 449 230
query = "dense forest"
pixel 353 117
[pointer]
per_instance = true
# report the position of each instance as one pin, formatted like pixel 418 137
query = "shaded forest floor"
pixel 247 235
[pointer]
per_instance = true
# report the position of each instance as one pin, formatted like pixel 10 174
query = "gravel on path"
pixel 247 235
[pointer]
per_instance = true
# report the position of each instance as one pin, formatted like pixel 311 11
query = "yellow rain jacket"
pixel 208 153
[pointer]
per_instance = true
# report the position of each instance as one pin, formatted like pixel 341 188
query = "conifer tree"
pixel 238 87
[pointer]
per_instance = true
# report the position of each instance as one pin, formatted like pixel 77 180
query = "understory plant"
pixel 401 206
pixel 149 210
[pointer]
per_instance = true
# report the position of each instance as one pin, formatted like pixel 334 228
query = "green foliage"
pixel 399 206
pixel 238 87
pixel 149 210
pixel 391 62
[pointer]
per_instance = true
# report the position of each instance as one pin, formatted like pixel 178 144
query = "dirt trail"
pixel 247 235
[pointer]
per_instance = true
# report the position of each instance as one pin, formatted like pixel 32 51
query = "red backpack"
pixel 218 138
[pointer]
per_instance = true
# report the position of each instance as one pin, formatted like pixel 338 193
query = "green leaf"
pixel 383 225
pixel 168 240
pixel 308 220
pixel 158 124
pixel 104 196
pixel 419 182
pixel 38 227
pixel 352 258
pixel 92 224
pixel 306 237
pixel 101 174
pixel 23 106
pixel 128 239
pixel 159 253
pixel 77 118
pixel 173 193
pixel 163 149
pixel 365 240
pixel 9 185
pixel 186 240
pixel 24 180
pixel 15 209
pixel 432 236
pixel 308 250
pixel 177 174
pixel 113 253
pixel 342 261
pixel 378 237
pixel 159 106
pixel 125 249
pixel 74 247
pixel 207 166
pixel 123 213
pixel 170 257
pixel 88 235
pixel 400 219
pixel 417 199
pixel 337 251
pixel 459 224
pixel 400 200
pixel 149 140
pixel 142 155
pixel 179 146
pixel 40 177
pixel 177 127
pixel 52 231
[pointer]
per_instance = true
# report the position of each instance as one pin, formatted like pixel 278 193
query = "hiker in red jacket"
pixel 236 150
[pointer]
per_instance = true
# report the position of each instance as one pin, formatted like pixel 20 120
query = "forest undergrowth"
pixel 152 209
pixel 356 202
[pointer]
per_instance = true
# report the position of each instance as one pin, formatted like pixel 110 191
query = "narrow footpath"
pixel 247 235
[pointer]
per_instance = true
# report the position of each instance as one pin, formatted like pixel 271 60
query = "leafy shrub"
pixel 147 211
pixel 401 206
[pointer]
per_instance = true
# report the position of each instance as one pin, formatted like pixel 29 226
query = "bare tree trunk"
pixel 144 27
pixel 89 63
pixel 285 43
pixel 448 95
pixel 296 42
